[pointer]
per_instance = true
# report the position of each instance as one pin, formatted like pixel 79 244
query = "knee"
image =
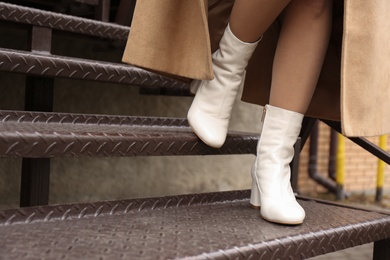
pixel 315 8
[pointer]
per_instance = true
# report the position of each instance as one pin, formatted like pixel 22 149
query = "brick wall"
pixel 360 166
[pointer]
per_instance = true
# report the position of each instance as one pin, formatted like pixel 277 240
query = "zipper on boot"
pixel 263 115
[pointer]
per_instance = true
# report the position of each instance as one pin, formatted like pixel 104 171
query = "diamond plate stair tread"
pixel 209 226
pixel 32 16
pixel 74 68
pixel 46 135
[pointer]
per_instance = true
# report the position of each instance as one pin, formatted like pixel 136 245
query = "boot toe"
pixel 212 131
pixel 288 214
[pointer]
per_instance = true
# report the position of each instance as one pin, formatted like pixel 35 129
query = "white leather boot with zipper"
pixel 210 111
pixel 275 150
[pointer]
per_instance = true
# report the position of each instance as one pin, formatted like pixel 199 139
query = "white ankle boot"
pixel 275 151
pixel 210 111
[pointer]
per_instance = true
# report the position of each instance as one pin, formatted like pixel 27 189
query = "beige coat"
pixel 178 36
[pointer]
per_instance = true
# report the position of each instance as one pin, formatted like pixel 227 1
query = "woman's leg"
pixel 251 18
pixel 300 53
pixel 211 108
pixel 298 61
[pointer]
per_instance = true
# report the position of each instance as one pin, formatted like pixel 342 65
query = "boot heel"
pixel 255 193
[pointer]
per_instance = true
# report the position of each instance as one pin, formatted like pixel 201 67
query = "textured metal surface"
pixel 27 15
pixel 57 66
pixel 45 135
pixel 208 226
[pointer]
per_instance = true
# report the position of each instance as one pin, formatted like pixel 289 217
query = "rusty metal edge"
pixel 68 23
pixel 104 208
pixel 77 118
pixel 46 65
pixel 26 134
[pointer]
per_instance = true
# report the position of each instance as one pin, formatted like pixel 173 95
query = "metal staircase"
pixel 198 226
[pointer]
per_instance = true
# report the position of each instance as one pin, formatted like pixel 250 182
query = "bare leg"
pixel 251 18
pixel 300 53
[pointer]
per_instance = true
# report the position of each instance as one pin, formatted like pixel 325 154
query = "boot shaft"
pixel 279 131
pixel 275 150
pixel 233 54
